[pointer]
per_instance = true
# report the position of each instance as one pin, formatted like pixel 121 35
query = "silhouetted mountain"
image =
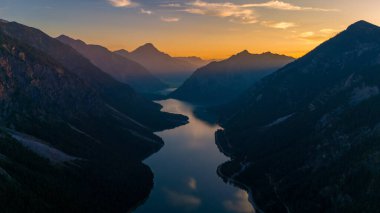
pixel 167 68
pixel 223 81
pixel 122 52
pixel 118 95
pixel 75 129
pixel 195 61
pixel 65 146
pixel 121 68
pixel 305 139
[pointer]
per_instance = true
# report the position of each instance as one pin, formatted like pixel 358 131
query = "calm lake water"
pixel 185 170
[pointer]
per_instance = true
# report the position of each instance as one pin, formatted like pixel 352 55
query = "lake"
pixel 185 170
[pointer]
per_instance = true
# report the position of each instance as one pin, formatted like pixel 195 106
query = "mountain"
pixel 60 139
pixel 162 65
pixel 121 68
pixel 118 95
pixel 223 81
pixel 195 61
pixel 305 139
pixel 64 144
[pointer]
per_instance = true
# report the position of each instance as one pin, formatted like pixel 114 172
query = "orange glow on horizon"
pixel 214 32
pixel 214 54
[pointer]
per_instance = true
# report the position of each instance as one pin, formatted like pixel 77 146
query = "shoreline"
pixel 219 137
pixel 242 186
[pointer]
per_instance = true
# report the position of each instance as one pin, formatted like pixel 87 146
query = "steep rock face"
pixel 43 105
pixel 121 68
pixel 117 95
pixel 307 134
pixel 223 81
pixel 169 69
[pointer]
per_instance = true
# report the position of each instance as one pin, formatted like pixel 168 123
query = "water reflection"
pixel 186 201
pixel 239 203
pixel 192 183
pixel 185 170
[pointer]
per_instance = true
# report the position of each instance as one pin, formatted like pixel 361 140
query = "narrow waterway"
pixel 185 170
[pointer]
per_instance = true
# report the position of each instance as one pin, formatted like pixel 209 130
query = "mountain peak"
pixel 63 36
pixel 122 51
pixel 362 25
pixel 68 39
pixel 268 53
pixel 147 48
pixel 271 54
pixel 244 53
pixel 149 45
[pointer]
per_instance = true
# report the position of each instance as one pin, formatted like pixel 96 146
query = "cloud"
pixel 148 12
pixel 318 36
pixel 232 11
pixel 170 19
pixel 122 3
pixel 242 13
pixel 280 5
pixel 279 25
pixel 176 5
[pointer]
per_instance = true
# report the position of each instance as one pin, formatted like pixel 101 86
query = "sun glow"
pixel 204 28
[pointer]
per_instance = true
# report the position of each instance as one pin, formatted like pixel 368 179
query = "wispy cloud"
pixel 279 25
pixel 317 36
pixel 232 11
pixel 242 13
pixel 122 3
pixel 148 12
pixel 280 5
pixel 171 5
pixel 170 19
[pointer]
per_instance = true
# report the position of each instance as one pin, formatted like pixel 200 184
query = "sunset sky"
pixel 208 28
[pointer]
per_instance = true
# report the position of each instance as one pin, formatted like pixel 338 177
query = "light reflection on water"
pixel 185 170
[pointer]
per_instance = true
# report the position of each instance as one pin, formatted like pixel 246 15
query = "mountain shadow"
pixel 305 138
pixel 221 82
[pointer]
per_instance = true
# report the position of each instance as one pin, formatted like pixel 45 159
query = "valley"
pixel 189 106
pixel 185 177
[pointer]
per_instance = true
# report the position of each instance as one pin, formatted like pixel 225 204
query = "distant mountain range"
pixel 72 137
pixel 197 62
pixel 169 69
pixel 121 68
pixel 305 138
pixel 220 82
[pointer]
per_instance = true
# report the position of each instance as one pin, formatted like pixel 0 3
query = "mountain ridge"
pixel 222 81
pixel 318 117
pixel 118 95
pixel 147 48
pixel 43 104
pixel 121 68
pixel 167 68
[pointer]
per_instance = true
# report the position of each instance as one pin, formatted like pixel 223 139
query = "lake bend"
pixel 185 170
